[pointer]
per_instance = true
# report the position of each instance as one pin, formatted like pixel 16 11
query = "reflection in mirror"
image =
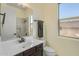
pixel 0 25
pixel 8 22
pixel 24 26
pixel 69 20
pixel 21 27
pixel 2 15
pixel 2 20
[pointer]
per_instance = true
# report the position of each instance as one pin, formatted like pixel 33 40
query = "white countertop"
pixel 13 47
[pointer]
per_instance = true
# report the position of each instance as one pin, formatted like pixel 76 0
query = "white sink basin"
pixel 30 43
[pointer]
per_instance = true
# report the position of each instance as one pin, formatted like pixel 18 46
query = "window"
pixel 69 20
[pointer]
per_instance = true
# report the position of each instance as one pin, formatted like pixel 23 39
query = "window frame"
pixel 59 25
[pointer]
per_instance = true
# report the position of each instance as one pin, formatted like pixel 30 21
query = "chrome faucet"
pixel 21 39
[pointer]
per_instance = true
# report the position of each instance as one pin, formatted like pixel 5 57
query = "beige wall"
pixel 63 45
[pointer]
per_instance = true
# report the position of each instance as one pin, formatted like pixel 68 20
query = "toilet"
pixel 48 51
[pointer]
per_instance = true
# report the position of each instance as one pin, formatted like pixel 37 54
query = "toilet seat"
pixel 49 49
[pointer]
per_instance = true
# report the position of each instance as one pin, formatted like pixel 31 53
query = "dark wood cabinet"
pixel 29 52
pixel 20 54
pixel 34 51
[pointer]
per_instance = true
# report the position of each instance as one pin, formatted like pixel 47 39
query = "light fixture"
pixel 23 5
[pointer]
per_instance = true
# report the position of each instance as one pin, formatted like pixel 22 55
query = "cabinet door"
pixel 35 51
pixel 39 50
pixel 29 52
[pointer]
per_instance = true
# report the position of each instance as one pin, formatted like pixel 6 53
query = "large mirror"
pixel 15 21
pixel 69 20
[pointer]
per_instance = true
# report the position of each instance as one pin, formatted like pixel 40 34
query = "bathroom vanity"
pixel 34 51
pixel 17 27
pixel 31 47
